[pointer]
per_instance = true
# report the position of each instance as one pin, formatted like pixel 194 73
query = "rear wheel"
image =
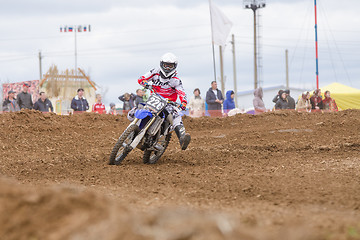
pixel 152 156
pixel 122 147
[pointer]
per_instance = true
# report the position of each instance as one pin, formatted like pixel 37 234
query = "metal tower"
pixel 255 5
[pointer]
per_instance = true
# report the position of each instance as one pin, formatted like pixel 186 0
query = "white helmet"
pixel 168 64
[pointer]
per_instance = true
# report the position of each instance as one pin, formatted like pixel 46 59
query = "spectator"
pixel 214 100
pixel 316 101
pixel 98 107
pixel 24 98
pixel 282 103
pixel 128 100
pixel 79 102
pixel 43 104
pixel 229 102
pixel 196 105
pixel 329 104
pixel 276 98
pixel 139 98
pixel 258 103
pixel 291 101
pixel 304 104
pixel 10 104
pixel 112 110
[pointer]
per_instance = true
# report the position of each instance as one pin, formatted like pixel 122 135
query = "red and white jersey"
pixel 99 108
pixel 170 88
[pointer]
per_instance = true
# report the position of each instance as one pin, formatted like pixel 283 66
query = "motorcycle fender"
pixel 142 113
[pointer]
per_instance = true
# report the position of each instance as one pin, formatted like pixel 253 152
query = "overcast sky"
pixel 129 36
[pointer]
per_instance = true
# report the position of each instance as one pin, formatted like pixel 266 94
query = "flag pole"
pixel 316 48
pixel 212 41
pixel 75 28
pixel 75 52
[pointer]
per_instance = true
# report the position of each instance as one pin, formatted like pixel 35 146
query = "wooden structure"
pixel 61 87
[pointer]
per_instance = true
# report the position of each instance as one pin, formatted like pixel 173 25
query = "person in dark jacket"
pixel 139 98
pixel 24 98
pixel 282 103
pixel 43 104
pixel 229 102
pixel 10 104
pixel 128 100
pixel 79 103
pixel 276 98
pixel 291 101
pixel 214 100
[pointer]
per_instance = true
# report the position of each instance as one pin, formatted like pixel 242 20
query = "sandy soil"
pixel 283 175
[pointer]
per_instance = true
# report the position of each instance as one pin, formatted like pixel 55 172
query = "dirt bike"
pixel 150 131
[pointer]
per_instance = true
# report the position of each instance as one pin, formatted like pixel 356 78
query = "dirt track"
pixel 280 175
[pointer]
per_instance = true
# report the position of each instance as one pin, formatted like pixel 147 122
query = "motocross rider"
pixel 166 83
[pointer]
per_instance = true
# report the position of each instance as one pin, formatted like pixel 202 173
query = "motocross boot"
pixel 184 138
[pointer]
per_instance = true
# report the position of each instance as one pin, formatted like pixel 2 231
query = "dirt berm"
pixel 282 175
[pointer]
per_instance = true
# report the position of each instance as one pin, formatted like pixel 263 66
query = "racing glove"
pixel 144 83
pixel 183 106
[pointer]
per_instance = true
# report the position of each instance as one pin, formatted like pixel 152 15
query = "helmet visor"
pixel 168 67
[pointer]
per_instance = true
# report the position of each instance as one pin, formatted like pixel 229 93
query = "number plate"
pixel 156 102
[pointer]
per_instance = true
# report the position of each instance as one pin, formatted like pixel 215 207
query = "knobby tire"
pixel 119 144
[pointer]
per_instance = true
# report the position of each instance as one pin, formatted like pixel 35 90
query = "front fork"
pixel 141 134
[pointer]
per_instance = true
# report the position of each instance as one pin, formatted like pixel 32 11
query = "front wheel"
pixel 122 147
pixel 150 156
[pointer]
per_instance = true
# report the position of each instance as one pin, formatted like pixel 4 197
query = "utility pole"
pixel 287 68
pixel 255 53
pixel 255 5
pixel 234 69
pixel 40 67
pixel 222 71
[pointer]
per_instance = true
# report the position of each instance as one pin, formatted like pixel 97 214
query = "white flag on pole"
pixel 221 25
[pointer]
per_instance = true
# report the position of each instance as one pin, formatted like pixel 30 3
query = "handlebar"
pixel 149 87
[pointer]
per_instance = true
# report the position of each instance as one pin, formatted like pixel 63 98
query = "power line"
pixel 337 48
pixel 126 46
pixel 106 33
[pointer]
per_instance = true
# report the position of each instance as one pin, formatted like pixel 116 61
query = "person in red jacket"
pixel 98 107
pixel 166 83
pixel 329 103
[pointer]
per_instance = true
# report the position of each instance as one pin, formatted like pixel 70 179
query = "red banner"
pixel 17 87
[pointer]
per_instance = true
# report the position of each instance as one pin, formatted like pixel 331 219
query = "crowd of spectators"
pixel 305 103
pixel 131 100
pixel 213 105
pixel 24 101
